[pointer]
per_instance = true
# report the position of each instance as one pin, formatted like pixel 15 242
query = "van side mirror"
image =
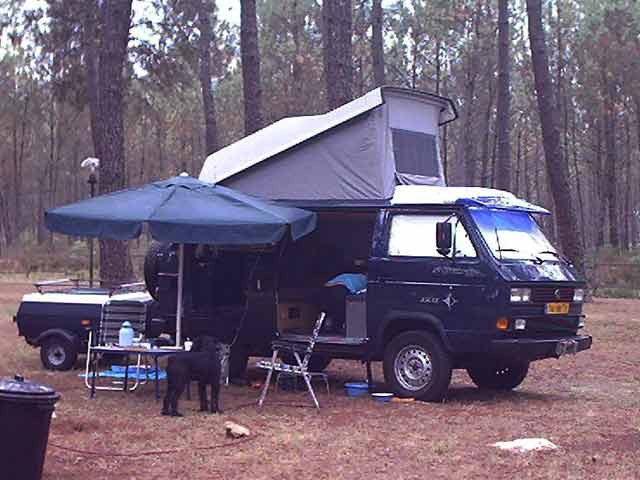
pixel 444 238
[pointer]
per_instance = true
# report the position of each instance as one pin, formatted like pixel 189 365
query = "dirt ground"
pixel 588 405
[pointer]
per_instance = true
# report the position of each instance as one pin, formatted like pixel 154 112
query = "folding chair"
pixel 301 368
pixel 114 313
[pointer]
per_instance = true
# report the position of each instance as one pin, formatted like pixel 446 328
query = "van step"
pixel 328 339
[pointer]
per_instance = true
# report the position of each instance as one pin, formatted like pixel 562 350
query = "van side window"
pixel 415 236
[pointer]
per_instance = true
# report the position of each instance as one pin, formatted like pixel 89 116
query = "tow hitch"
pixel 564 347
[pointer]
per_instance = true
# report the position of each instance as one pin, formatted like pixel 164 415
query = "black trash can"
pixel 25 416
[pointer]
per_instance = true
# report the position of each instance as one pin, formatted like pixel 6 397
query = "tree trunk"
pixel 484 155
pixel 204 53
pixel 599 188
pixel 296 106
pixel 115 264
pixel 160 142
pixel 468 160
pixel 144 124
pixel 91 66
pixel 557 167
pixel 18 161
pixel 250 67
pixel 503 102
pixel 579 196
pixel 4 223
pixel 377 43
pixel 518 161
pixel 336 41
pixel 628 215
pixel 634 220
pixel 50 165
pixel 611 164
pixel 16 181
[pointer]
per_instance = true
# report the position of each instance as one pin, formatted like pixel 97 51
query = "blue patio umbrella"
pixel 182 210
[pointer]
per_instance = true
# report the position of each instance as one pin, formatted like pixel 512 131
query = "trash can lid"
pixel 19 386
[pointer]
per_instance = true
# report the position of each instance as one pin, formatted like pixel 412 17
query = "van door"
pixel 410 281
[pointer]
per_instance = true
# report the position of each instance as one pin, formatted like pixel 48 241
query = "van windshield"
pixel 513 235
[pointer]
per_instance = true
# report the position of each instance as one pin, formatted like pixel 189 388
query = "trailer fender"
pixel 72 337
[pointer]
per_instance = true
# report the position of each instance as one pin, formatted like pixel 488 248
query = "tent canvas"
pixel 360 151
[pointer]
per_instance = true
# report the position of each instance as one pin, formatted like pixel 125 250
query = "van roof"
pixel 472 196
pixel 424 195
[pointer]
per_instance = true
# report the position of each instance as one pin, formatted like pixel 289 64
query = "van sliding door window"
pixel 415 236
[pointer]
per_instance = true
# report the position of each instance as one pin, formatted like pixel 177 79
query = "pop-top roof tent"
pixel 357 152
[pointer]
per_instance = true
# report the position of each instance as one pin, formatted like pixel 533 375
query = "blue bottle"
pixel 125 335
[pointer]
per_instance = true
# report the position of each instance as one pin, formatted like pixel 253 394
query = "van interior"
pixel 337 250
pixel 293 275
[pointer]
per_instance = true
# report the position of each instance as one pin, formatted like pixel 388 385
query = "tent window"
pixel 415 153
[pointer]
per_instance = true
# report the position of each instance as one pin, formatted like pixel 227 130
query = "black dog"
pixel 202 363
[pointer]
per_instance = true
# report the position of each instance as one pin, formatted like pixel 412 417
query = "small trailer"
pixel 57 317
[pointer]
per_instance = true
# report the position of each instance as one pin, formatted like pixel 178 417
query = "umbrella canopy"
pixel 182 210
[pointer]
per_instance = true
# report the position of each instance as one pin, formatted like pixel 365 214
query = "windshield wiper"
pixel 500 249
pixel 557 255
pixel 550 252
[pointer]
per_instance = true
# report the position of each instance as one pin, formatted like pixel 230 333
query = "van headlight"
pixel 520 324
pixel 578 295
pixel 520 295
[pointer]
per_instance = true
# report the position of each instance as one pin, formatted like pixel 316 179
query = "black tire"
pixel 58 353
pixel 417 365
pixel 499 377
pixel 317 363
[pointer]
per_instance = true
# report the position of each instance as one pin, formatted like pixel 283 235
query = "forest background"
pixel 151 87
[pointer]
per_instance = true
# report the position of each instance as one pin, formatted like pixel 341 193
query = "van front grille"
pixel 552 294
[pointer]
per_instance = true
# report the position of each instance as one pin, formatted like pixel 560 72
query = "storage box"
pixel 356 316
pixel 297 315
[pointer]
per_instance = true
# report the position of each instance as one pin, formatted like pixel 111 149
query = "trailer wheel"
pixel 499 377
pixel 58 353
pixel 417 365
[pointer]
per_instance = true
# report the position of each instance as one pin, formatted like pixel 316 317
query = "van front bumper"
pixel 537 349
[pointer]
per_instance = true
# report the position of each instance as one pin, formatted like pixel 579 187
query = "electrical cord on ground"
pixel 148 453
pixel 153 452
pixel 246 303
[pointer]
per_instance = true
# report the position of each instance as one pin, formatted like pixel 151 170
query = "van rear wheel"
pixel 417 365
pixel 499 377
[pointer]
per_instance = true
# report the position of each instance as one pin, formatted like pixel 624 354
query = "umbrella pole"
pixel 179 306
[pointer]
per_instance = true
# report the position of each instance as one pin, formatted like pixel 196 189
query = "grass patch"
pixel 618 292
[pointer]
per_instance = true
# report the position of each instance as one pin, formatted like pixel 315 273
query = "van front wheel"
pixel 417 365
pixel 499 377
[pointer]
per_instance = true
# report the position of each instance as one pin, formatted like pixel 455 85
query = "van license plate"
pixel 557 308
